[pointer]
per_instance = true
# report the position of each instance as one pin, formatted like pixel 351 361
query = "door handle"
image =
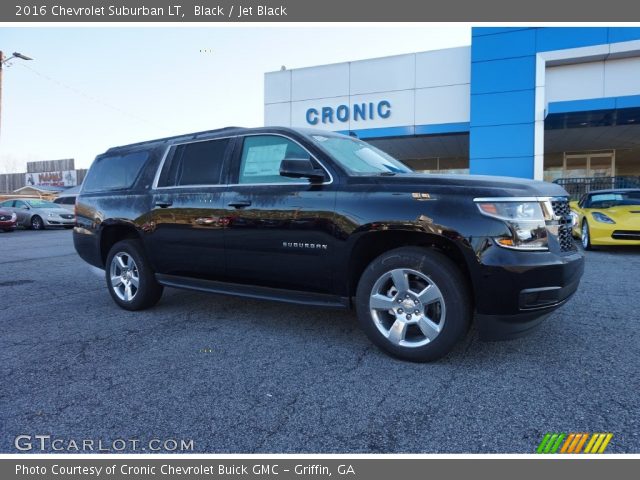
pixel 240 203
pixel 164 203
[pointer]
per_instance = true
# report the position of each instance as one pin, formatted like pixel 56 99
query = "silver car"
pixel 38 214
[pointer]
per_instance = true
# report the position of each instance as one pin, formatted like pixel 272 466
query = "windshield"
pixel 42 204
pixel 357 156
pixel 615 199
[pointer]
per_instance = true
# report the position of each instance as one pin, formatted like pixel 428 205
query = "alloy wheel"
pixel 125 278
pixel 585 235
pixel 407 307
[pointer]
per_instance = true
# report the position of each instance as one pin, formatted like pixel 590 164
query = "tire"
pixel 585 236
pixel 429 298
pixel 127 264
pixel 36 223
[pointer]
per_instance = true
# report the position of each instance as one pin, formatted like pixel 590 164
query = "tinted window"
pixel 114 172
pixel 7 203
pixel 261 158
pixel 198 163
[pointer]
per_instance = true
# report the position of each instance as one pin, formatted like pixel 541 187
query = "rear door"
pixel 188 216
pixel 280 230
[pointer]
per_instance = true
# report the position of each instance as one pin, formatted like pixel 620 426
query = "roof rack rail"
pixel 175 137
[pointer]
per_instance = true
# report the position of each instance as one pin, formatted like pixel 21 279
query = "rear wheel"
pixel 585 236
pixel 414 303
pixel 37 223
pixel 130 279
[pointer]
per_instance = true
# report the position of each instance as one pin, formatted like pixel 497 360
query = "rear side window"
pixel 198 163
pixel 114 172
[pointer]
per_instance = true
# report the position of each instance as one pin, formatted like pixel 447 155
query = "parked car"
pixel 7 220
pixel 39 214
pixel 607 217
pixel 67 202
pixel 323 219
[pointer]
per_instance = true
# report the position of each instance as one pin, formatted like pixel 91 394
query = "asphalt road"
pixel 243 376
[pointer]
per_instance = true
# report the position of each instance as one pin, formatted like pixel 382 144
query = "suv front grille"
pixel 565 238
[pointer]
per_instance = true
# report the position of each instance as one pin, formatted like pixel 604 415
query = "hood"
pixel 56 211
pixel 477 185
pixel 626 211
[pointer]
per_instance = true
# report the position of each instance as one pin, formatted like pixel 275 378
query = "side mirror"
pixel 300 168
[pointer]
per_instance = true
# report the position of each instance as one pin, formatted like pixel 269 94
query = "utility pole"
pixel 1 69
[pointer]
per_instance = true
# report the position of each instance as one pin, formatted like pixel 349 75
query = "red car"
pixel 7 220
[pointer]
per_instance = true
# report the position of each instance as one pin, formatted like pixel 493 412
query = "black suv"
pixel 323 219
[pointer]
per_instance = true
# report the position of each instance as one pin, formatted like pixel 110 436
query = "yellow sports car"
pixel 607 217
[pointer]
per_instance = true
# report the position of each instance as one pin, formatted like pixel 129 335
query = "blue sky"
pixel 91 88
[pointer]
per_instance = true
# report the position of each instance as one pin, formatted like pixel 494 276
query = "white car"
pixel 39 214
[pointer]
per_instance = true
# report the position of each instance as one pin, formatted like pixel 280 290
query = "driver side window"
pixel 261 158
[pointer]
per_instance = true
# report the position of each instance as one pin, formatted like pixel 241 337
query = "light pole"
pixel 2 62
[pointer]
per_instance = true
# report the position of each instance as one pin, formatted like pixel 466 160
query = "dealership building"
pixel 544 103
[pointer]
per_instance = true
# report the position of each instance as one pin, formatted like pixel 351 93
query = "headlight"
pixel 601 217
pixel 574 219
pixel 525 220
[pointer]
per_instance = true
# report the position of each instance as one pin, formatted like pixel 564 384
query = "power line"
pixel 87 96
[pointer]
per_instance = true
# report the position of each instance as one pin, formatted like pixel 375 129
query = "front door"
pixel 280 230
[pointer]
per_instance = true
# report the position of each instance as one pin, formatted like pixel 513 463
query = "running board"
pixel 253 291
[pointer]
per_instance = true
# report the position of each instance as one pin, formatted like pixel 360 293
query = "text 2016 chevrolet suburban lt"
pixel 323 219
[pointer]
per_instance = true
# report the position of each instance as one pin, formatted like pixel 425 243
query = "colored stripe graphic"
pixel 574 442
pixel 581 443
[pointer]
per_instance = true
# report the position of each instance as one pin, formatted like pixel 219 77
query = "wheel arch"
pixel 371 245
pixel 113 232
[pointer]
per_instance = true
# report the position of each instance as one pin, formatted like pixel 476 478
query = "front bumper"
pixel 11 225
pixel 59 222
pixel 516 291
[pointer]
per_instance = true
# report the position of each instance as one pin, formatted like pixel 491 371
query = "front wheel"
pixel 130 279
pixel 37 223
pixel 414 303
pixel 585 236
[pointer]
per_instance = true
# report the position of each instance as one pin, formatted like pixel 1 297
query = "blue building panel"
pixel 502 75
pixel 503 108
pixel 587 105
pixel 624 34
pixel 630 101
pixel 502 141
pixel 518 43
pixel 442 128
pixel 521 167
pixel 558 38
pixel 483 31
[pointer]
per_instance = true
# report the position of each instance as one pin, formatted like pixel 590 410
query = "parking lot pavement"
pixel 237 375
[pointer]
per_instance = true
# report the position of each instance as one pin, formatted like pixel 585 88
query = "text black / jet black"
pixel 319 218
